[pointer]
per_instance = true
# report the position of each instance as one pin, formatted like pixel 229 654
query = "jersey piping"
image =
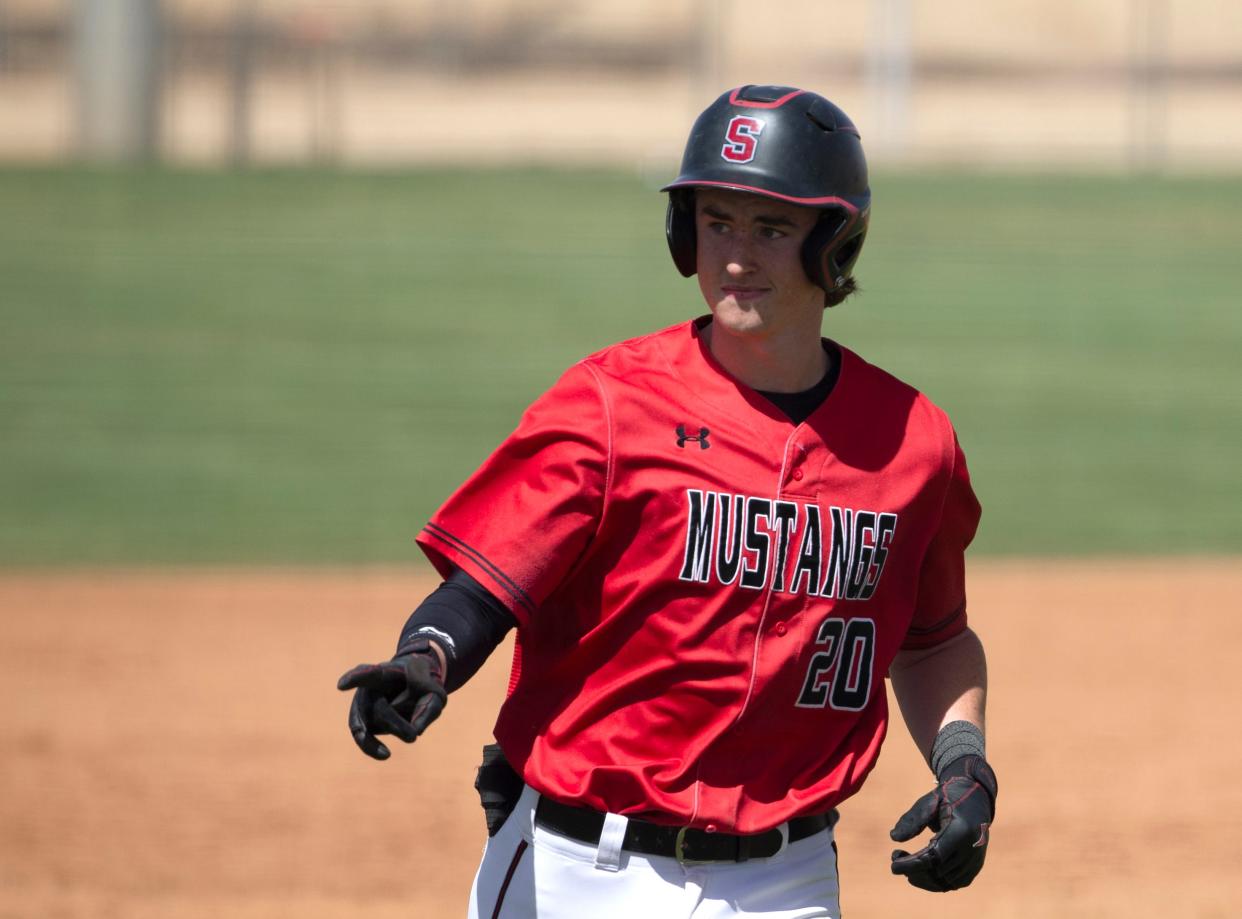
pixel 494 570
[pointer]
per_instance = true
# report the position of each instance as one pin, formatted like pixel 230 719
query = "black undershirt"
pixel 799 405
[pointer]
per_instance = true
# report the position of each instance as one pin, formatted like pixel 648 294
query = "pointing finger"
pixel 385 678
pixel 356 677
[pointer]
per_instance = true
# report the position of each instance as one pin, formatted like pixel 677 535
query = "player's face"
pixel 750 263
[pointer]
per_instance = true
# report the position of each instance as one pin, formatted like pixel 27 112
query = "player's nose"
pixel 739 266
pixel 740 257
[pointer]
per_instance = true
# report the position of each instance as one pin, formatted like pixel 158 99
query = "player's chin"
pixel 739 316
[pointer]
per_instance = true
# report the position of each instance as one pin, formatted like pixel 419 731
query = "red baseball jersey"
pixel 709 596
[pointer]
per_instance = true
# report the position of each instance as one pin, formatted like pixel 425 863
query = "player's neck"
pixel 778 364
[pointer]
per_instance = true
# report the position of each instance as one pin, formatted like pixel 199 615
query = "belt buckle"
pixel 679 850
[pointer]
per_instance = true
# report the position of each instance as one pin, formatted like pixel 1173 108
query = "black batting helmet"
pixel 783 143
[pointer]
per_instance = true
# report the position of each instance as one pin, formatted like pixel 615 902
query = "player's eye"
pixel 718 227
pixel 772 233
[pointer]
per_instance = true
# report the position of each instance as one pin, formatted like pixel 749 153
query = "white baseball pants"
pixel 530 872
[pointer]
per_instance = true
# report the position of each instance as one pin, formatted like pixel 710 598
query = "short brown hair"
pixel 838 294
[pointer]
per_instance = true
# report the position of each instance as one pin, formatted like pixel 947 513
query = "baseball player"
pixel 714 541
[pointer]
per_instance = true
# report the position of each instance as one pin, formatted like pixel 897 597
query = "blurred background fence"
pixel 1148 84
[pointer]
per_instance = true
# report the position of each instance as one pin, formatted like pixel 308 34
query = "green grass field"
pixel 298 366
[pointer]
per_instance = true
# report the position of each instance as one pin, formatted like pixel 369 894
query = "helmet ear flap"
pixel 832 247
pixel 680 229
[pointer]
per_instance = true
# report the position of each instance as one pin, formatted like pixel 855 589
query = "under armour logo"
pixel 701 437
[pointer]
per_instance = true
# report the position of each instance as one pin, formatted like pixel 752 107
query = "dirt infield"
pixel 173 746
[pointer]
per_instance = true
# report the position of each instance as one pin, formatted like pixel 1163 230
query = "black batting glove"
pixel 959 811
pixel 399 697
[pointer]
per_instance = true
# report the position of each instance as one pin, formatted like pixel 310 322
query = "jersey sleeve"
pixel 940 610
pixel 522 520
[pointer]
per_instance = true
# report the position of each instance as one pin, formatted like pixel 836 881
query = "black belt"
pixel 686 844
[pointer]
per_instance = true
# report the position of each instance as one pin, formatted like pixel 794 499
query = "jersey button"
pixel 780 628
pixel 797 474
pixel 711 828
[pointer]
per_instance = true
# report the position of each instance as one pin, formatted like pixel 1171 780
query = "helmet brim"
pixel 828 201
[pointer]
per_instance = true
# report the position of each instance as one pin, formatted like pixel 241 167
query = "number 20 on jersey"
pixel 839 676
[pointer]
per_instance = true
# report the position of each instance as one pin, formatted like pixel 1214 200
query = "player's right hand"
pixel 399 697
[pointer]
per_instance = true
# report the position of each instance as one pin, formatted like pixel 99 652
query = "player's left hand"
pixel 959 811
